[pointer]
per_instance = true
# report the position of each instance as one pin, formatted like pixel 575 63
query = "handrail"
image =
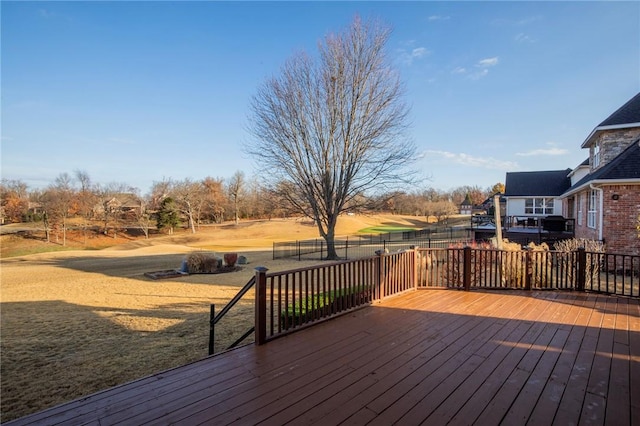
pixel 235 300
pixel 225 310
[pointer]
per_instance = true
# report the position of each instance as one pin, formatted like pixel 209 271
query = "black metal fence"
pixel 359 246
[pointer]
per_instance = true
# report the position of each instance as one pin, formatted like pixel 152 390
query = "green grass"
pixel 318 301
pixel 382 229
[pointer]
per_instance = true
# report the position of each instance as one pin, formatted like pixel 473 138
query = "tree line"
pixel 169 204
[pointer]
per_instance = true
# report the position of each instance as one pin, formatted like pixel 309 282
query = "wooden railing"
pixel 290 300
pixel 469 268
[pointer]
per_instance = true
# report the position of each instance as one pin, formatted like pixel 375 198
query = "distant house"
pixel 532 196
pixel 123 203
pixel 466 207
pixel 604 198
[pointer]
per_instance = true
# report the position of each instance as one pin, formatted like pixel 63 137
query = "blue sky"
pixel 136 92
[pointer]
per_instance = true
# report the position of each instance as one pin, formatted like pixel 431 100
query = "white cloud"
pixel 523 38
pixel 459 70
pixel 438 18
pixel 469 160
pixel 487 62
pixel 543 151
pixel 480 74
pixel 419 52
pixel 407 57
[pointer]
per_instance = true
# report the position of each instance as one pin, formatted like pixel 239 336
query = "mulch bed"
pixel 174 273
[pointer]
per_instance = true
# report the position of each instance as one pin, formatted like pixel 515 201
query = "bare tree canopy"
pixel 334 127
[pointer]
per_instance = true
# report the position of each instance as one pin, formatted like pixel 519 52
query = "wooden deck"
pixel 427 357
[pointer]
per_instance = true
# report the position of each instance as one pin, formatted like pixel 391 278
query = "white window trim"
pixel 544 207
pixel 597 154
pixel 592 209
pixel 579 209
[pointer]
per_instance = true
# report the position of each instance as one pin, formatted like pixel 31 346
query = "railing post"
pixel 261 305
pixel 381 274
pixel 581 267
pixel 528 267
pixel 346 249
pixel 414 259
pixel 212 327
pixel 466 268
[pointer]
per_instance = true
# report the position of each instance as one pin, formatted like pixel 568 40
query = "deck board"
pixel 426 357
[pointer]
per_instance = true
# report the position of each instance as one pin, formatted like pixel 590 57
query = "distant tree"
pixel 158 192
pixel 235 188
pixel 110 199
pixel 444 209
pixel 14 200
pixel 333 127
pixel 497 188
pixel 475 193
pixel 59 204
pixel 86 200
pixel 214 199
pixel 143 217
pixel 189 197
pixel 167 215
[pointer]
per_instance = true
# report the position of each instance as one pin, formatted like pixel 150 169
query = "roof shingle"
pixel 626 114
pixel 537 184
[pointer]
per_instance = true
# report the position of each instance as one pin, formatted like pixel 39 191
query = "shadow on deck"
pixel 432 356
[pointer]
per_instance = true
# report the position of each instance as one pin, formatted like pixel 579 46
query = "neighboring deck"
pixel 431 356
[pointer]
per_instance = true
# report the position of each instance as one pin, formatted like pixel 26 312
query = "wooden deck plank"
pixel 547 405
pixel 427 357
pixel 494 353
pixel 266 404
pixel 523 357
pixel 410 399
pixel 441 406
pixel 572 401
pixel 539 363
pixel 504 328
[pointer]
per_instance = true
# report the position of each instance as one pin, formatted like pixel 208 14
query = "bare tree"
pixel 235 188
pixel 333 127
pixel 111 197
pixel 86 199
pixel 142 216
pixel 59 205
pixel 189 196
pixel 214 199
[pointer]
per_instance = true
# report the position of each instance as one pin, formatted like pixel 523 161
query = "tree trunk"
pixel 191 223
pixel 329 236
pixel 332 254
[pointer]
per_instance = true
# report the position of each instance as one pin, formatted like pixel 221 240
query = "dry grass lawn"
pixel 75 322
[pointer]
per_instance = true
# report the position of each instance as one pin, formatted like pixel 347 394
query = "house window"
pixel 591 212
pixel 596 155
pixel 541 206
pixel 579 209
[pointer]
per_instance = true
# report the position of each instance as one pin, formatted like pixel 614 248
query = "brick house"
pixel 604 197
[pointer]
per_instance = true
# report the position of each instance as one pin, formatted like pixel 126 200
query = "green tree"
pixel 167 215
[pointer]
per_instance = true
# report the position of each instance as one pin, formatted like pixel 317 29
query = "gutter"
pixel 598 129
pixel 600 209
pixel 570 192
